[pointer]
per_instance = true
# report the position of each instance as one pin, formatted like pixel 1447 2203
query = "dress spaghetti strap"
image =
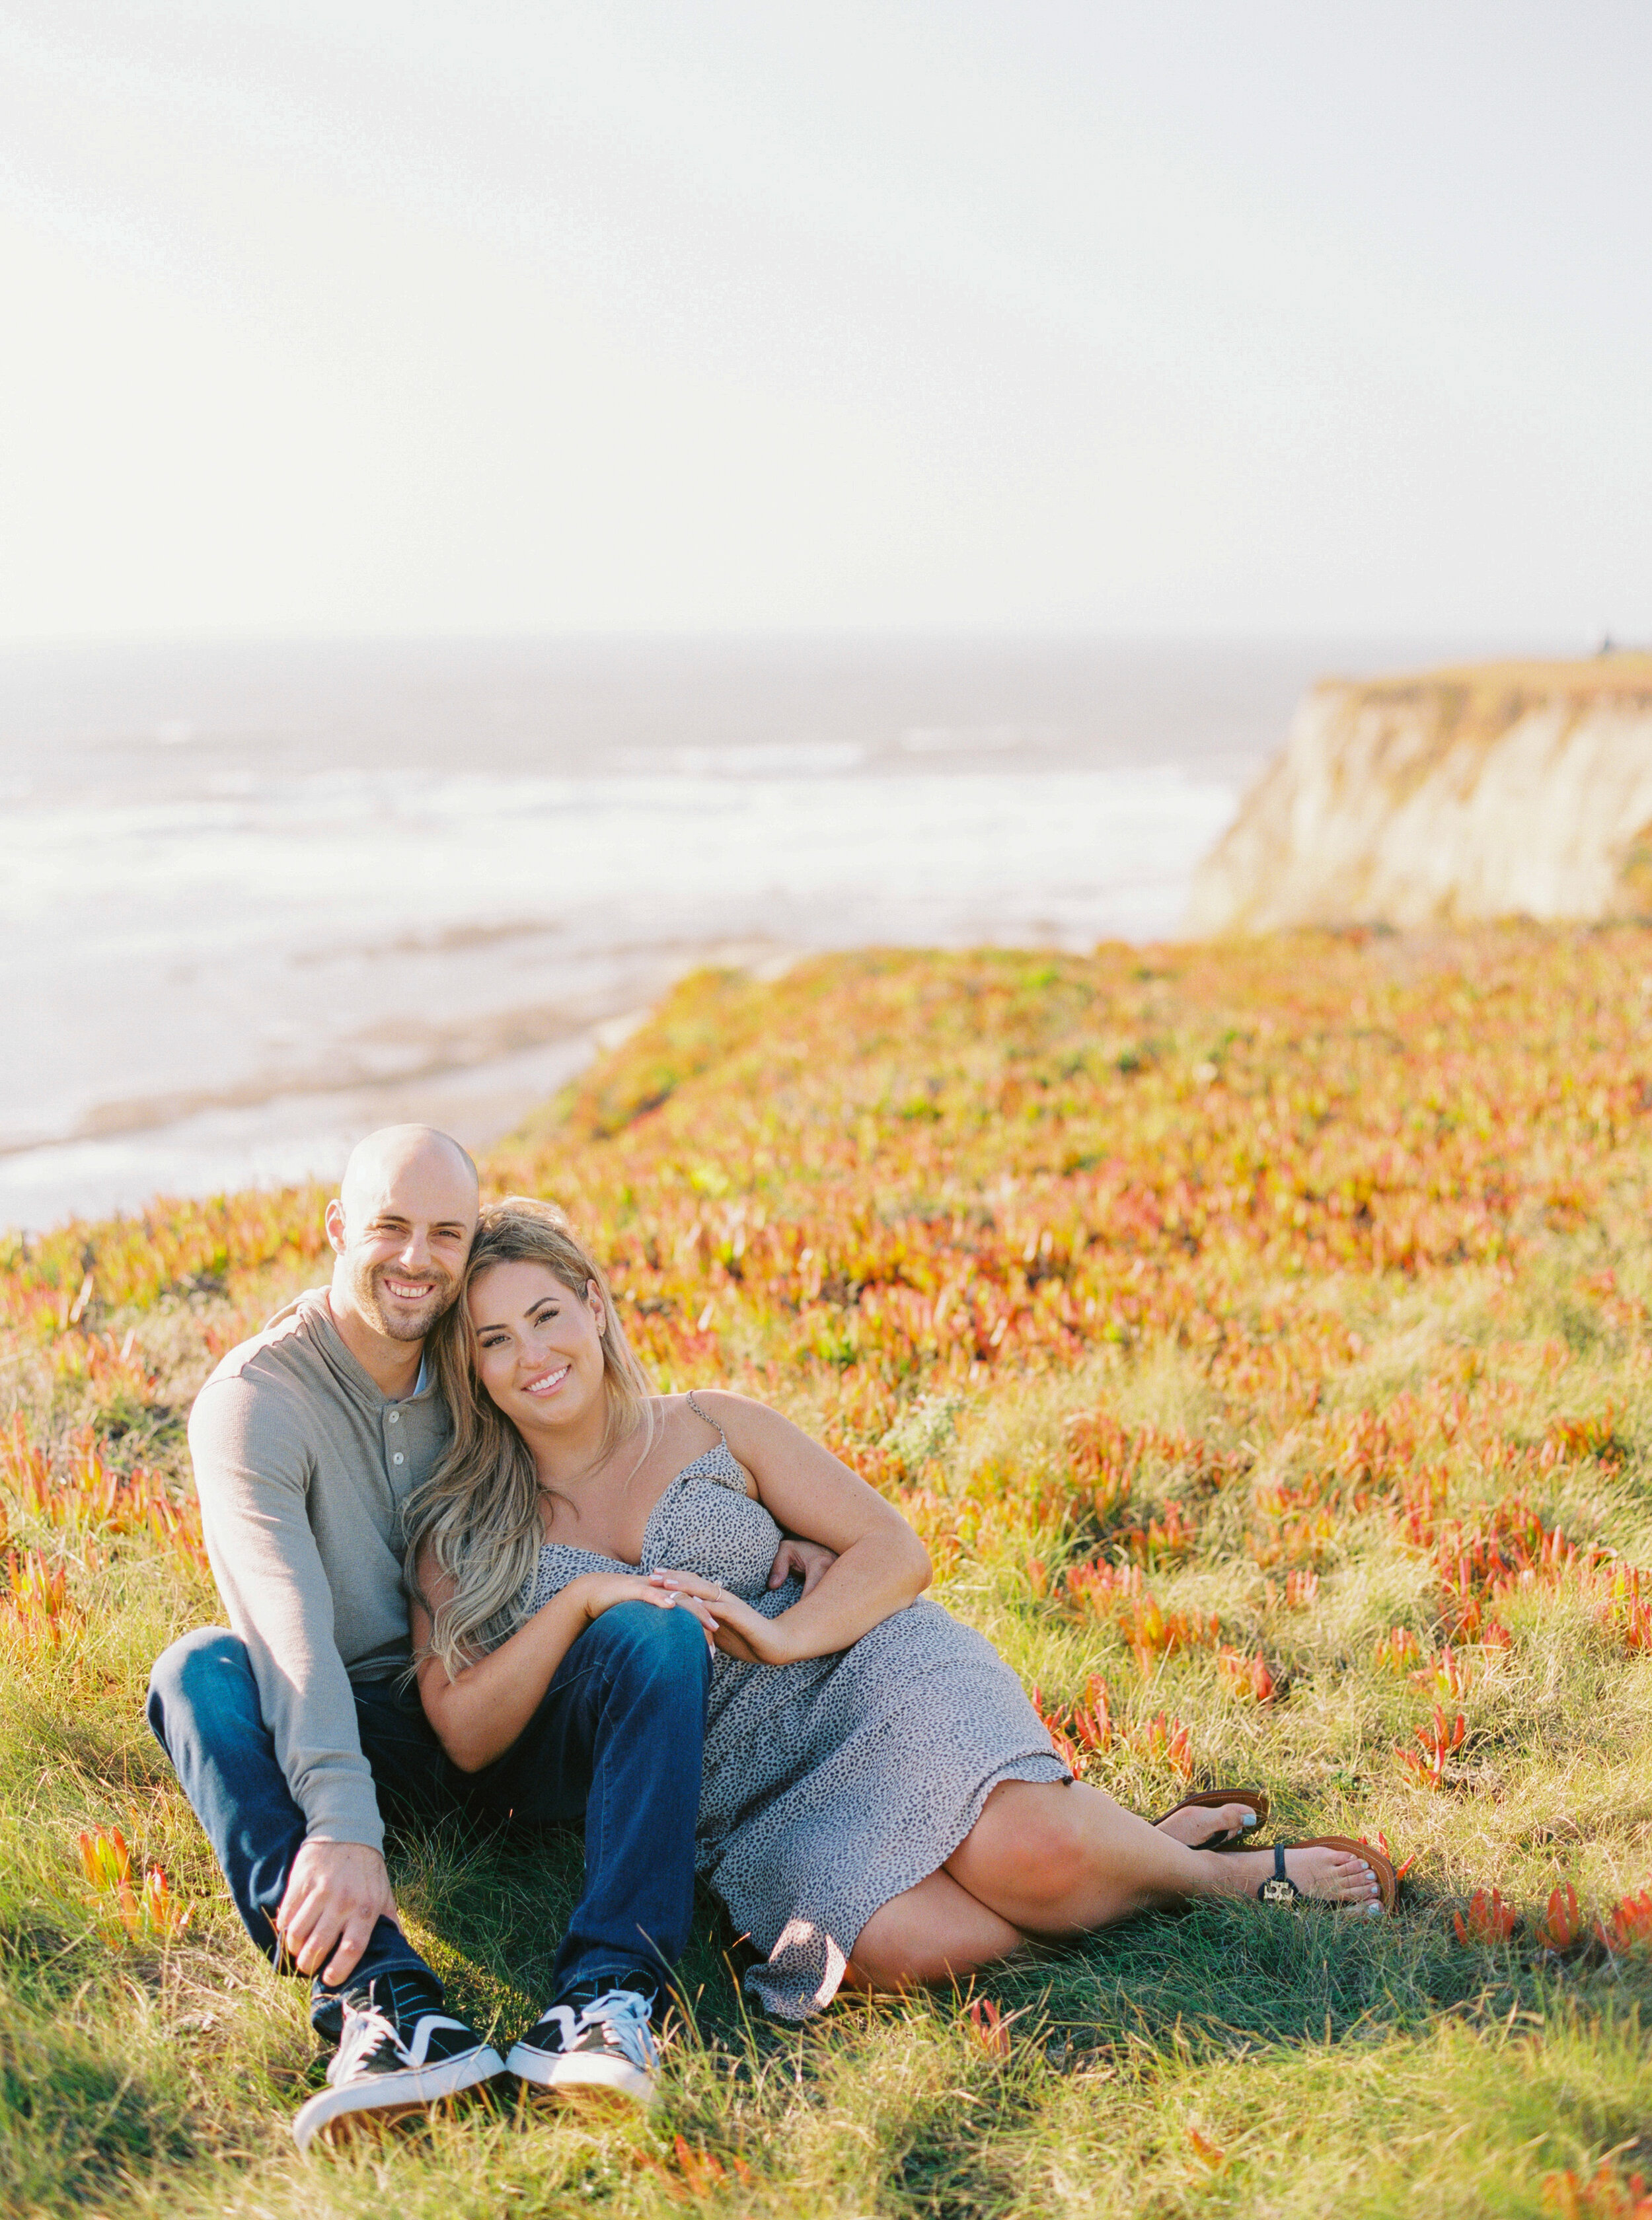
pixel 706 1416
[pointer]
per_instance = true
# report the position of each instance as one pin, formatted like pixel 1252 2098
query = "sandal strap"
pixel 1279 1887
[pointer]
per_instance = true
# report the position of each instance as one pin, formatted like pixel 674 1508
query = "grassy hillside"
pixel 1258 1336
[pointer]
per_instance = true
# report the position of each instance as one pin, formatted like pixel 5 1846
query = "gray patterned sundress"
pixel 835 1783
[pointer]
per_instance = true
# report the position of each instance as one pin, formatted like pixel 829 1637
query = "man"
pixel 290 1732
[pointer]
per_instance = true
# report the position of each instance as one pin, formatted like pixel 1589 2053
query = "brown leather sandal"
pixel 1279 1888
pixel 1254 1799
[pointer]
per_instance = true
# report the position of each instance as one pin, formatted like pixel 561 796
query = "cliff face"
pixel 1502 790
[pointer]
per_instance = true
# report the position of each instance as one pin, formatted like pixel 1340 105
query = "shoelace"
pixel 623 2017
pixel 365 2028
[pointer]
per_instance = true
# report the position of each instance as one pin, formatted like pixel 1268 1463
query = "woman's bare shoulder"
pixel 677 1433
pixel 727 1409
pixel 721 1413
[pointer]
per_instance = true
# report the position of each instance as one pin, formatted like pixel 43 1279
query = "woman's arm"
pixel 477 1715
pixel 880 1564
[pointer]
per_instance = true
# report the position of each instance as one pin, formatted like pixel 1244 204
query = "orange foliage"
pixel 1398 1650
pixel 1447 1676
pixel 1115 1594
pixel 1489 1920
pixel 1078 1731
pixel 990 2028
pixel 1440 1740
pixel 1163 1741
pixel 37 1596
pixel 1209 2154
pixel 1245 1676
pixel 1562 1924
pixel 147 1908
pixel 1628 1926
pixel 1300 1590
pixel 78 1488
pixel 702 2170
pixel 1601 2196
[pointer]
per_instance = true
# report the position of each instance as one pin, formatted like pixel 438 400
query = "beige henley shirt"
pixel 302 1467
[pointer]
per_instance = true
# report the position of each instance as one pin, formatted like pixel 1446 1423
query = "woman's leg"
pixel 1056 1859
pixel 1048 1859
pixel 935 1932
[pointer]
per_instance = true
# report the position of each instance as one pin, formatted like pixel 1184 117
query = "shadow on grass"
pixel 1219 1981
pixel 491 1906
pixel 940 2122
pixel 77 2122
pixel 491 1903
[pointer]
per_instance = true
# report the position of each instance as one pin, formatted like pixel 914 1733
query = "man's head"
pixel 401 1230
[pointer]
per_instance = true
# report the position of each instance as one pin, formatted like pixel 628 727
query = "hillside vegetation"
pixel 1258 1335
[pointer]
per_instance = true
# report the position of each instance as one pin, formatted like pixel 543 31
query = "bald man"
pixel 290 1732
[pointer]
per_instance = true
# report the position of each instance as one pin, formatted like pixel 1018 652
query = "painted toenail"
pixel 1249 1820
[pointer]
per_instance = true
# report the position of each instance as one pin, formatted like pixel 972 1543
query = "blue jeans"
pixel 616 1744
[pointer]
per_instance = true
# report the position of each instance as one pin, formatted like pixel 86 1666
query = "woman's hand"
pixel 737 1629
pixel 595 1593
pixel 478 1711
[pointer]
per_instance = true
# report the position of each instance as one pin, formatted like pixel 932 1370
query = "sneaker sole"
pixel 390 2097
pixel 554 2079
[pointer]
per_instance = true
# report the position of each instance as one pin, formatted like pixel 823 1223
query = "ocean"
pixel 257 899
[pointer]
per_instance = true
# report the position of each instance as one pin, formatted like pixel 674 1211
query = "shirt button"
pixel 395 1415
pixel 398 1458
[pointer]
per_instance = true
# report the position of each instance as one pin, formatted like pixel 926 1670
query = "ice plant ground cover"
pixel 1259 1336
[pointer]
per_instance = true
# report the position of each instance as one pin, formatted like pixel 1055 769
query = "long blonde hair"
pixel 478 1514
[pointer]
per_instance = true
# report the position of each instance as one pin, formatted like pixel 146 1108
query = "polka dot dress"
pixel 835 1783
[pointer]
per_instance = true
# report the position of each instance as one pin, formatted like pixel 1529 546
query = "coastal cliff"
pixel 1496 790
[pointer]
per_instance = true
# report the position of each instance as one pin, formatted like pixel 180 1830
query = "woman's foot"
pixel 1327 1876
pixel 1202 1827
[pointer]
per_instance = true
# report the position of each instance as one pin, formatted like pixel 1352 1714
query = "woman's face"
pixel 539 1350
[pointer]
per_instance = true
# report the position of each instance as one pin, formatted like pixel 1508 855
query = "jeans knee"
pixel 195 1676
pixel 641 1638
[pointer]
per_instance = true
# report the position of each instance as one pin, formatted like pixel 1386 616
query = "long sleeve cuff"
pixel 343 1809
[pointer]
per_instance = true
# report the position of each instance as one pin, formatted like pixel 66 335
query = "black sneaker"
pixel 394 2056
pixel 606 2050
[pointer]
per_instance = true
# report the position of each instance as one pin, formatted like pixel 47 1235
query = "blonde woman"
pixel 881 1804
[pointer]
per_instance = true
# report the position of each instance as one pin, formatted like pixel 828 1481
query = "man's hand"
pixel 811 1560
pixel 335 1893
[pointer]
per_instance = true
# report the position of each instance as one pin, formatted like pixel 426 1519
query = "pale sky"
pixel 425 316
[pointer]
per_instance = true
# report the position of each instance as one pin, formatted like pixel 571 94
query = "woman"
pixel 881 1802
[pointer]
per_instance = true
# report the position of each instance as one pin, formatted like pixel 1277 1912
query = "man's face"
pixel 401 1234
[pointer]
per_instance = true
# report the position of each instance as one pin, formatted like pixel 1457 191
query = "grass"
pixel 1300 1288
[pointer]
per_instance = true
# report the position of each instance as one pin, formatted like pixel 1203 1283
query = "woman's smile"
pixel 546 1383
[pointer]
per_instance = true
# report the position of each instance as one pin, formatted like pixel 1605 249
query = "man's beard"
pixel 404 1322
